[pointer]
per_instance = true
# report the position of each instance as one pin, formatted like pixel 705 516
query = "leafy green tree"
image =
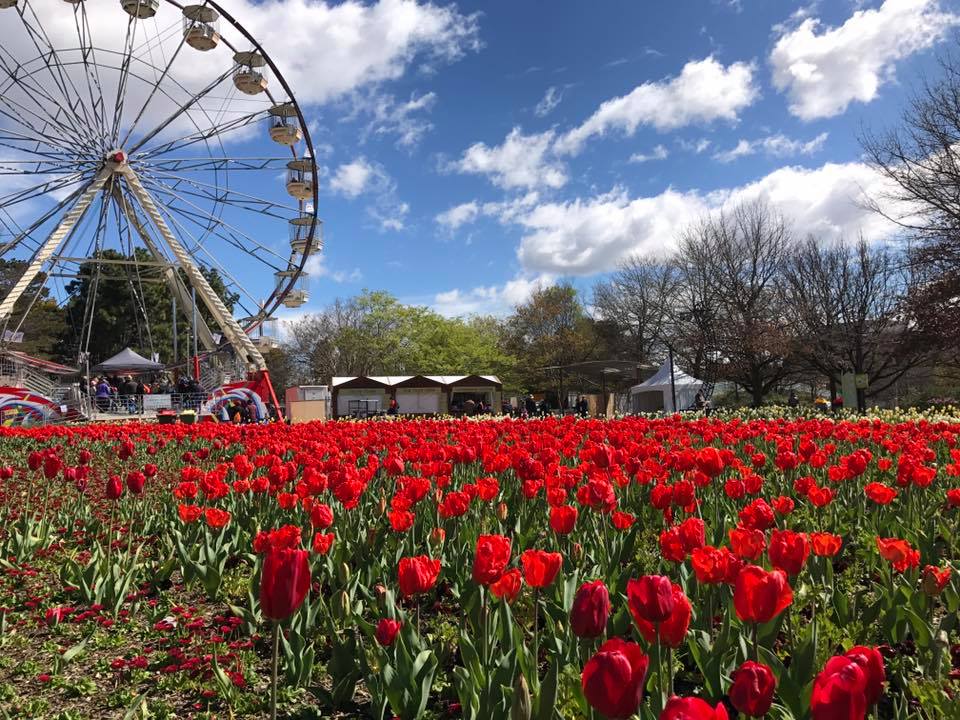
pixel 45 320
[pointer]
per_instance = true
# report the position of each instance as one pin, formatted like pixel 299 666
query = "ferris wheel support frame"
pixel 231 328
pixel 50 245
pixel 173 280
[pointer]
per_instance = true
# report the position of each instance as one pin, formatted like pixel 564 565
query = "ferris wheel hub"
pixel 117 158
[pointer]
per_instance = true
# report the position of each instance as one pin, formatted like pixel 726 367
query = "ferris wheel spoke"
pixel 69 136
pixel 60 78
pixel 206 191
pixel 26 234
pixel 91 68
pixel 209 164
pixel 153 91
pixel 235 284
pixel 36 167
pixel 212 224
pixel 122 82
pixel 22 195
pixel 180 111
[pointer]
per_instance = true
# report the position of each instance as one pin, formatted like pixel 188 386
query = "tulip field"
pixel 645 568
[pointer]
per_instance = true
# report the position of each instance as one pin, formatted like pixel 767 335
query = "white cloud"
pixel 316 267
pixel 353 178
pixel 823 70
pixel 587 236
pixel 658 153
pixel 489 300
pixel 388 116
pixel 363 177
pixel 458 215
pixel 505 212
pixel 327 50
pixel 778 145
pixel 697 147
pixel 704 91
pixel 549 102
pixel 520 162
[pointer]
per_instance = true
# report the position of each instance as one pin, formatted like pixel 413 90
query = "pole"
pixel 173 298
pixel 196 354
pixel 673 384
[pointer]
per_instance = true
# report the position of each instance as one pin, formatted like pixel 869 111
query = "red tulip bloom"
pixel 692 533
pixel 622 520
pixel 672 631
pixel 788 551
pixel 825 544
pixel 651 598
pixel 710 564
pixel 934 579
pixel 540 567
pixel 491 558
pixel 590 610
pixel 135 482
pixel 899 553
pixel 671 545
pixel 387 630
pixel 507 587
pixel 692 708
pixel 189 513
pixel 880 494
pixel 321 516
pixel 839 691
pixel 417 575
pixel 871 662
pixel 613 679
pixel 216 518
pixel 759 596
pixel 400 520
pixel 783 505
pixel 114 487
pixel 752 689
pixel 747 543
pixel 563 518
pixel 284 582
pixel 710 461
pixel 322 542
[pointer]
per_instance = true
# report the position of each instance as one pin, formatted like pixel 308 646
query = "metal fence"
pixel 148 404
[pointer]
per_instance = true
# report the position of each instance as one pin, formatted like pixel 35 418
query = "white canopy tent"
pixel 654 394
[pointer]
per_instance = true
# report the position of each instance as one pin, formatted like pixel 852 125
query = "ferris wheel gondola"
pixel 122 133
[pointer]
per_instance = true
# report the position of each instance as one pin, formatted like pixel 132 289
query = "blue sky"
pixel 470 152
pixel 577 189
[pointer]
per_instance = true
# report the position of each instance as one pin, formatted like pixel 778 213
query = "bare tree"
pixel 634 300
pixel 921 161
pixel 730 267
pixel 846 302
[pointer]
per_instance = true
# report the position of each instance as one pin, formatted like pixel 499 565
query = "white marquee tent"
pixel 653 394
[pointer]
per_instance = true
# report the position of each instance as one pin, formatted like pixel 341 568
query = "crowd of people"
pixel 124 393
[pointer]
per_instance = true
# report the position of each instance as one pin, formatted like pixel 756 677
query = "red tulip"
pixel 216 518
pixel 284 582
pixel 612 680
pixel 839 691
pixel 540 567
pixel 387 630
pixel 759 596
pixel 491 558
pixel 321 516
pixel 322 542
pixel 135 482
pixel 651 598
pixel 934 579
pixel 670 632
pixel 563 519
pixel 590 610
pixel 692 708
pixel 825 544
pixel 788 550
pixel 752 689
pixel 417 575
pixel 507 587
pixel 880 494
pixel 710 564
pixel 189 513
pixel 871 662
pixel 747 543
pixel 114 487
pixel 899 553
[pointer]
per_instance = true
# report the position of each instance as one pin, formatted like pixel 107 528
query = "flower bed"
pixel 543 569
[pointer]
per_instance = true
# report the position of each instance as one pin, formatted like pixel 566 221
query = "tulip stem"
pixel 273 675
pixel 536 639
pixel 756 644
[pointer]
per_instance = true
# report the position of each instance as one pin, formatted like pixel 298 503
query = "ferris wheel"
pixel 127 125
